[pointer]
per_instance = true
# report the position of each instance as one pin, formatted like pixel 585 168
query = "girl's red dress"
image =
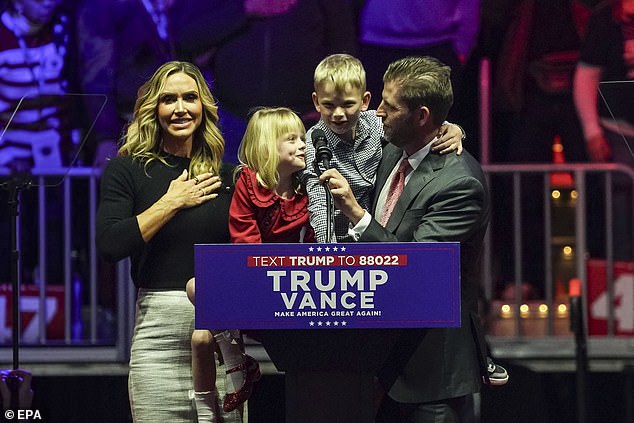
pixel 259 215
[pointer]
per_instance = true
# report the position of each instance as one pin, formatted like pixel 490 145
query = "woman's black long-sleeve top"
pixel 167 260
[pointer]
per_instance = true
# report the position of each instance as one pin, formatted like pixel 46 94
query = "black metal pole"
pixel 15 187
pixel 577 325
pixel 329 214
pixel 329 206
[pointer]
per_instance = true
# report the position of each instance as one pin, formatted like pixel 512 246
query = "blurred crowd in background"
pixel 60 59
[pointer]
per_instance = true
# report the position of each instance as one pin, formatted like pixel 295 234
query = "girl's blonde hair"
pixel 143 138
pixel 258 149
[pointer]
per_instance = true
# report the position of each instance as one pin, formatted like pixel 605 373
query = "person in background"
pixel 39 121
pixel 535 70
pixel 533 104
pixel 269 205
pixel 432 374
pixel 267 55
pixel 391 30
pixel 607 54
pixel 167 190
pixel 35 51
pixel 121 43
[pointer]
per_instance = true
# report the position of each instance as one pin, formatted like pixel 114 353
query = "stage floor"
pixel 531 397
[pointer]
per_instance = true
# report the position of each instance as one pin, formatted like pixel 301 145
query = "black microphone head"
pixel 318 135
pixel 322 151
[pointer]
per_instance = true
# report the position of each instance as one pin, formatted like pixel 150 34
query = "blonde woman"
pixel 164 193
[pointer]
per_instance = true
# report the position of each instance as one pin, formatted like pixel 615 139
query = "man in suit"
pixel 432 373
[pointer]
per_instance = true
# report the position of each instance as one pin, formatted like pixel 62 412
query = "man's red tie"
pixel 396 188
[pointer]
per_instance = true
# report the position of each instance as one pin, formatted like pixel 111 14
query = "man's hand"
pixel 598 148
pixel 343 195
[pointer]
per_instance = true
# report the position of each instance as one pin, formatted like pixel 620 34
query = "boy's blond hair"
pixel 340 70
pixel 258 149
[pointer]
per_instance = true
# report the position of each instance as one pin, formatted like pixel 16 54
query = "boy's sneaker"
pixel 498 375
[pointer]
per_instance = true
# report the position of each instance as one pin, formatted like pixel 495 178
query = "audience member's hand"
pixel 449 139
pixel 23 379
pixel 598 148
pixel 184 193
pixel 267 8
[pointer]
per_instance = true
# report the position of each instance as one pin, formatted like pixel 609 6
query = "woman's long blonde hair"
pixel 143 138
pixel 258 149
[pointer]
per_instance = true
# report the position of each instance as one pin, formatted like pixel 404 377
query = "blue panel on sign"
pixel 327 286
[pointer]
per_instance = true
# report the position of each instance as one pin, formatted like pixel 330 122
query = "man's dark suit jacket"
pixel 446 199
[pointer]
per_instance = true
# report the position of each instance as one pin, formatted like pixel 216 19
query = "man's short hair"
pixel 423 81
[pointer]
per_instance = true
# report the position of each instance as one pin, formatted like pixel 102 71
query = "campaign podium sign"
pixel 333 286
pixel 328 314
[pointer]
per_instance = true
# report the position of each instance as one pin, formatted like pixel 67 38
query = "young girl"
pixel 268 205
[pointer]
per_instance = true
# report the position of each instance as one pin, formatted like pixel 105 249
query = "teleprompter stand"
pixel 46 153
pixel 18 381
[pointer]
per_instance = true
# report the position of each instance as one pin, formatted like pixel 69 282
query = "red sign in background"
pixel 623 300
pixel 30 312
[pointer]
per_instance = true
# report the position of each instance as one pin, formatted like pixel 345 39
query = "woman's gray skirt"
pixel 160 379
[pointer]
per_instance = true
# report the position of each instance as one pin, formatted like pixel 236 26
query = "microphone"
pixel 323 154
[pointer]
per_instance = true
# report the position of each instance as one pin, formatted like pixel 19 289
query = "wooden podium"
pixel 328 315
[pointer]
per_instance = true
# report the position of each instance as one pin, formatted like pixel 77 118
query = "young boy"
pixel 354 136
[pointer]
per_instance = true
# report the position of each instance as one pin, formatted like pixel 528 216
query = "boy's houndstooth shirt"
pixel 357 163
